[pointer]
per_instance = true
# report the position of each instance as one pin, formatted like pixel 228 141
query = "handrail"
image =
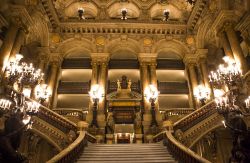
pixel 202 112
pixel 79 113
pixel 69 153
pixel 50 116
pixel 90 138
pixel 183 153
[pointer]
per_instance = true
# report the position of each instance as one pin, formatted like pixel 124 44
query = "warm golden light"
pixel 96 92
pixel 151 92
pixel 201 92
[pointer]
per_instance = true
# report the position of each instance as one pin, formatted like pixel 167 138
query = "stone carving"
pixel 110 123
pixel 138 120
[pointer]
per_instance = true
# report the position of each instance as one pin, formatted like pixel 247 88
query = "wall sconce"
pixel 166 15
pixel 124 13
pixel 80 13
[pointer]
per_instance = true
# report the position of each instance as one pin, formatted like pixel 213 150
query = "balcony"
pixel 73 87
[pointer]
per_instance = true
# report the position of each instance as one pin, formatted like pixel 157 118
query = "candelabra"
pixel 95 94
pixel 42 93
pixel 201 93
pixel 151 94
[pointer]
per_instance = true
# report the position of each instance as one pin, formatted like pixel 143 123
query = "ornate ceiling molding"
pixel 196 13
pixel 123 28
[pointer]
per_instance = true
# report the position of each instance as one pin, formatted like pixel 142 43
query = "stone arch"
pixel 73 45
pixel 128 45
pixel 39 30
pixel 174 46
pixel 202 32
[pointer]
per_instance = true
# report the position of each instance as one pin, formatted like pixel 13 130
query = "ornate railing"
pixel 195 117
pixel 70 153
pixel 181 152
pixel 135 86
pixel 78 114
pixel 177 111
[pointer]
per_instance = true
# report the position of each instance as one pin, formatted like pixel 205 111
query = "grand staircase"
pixel 119 153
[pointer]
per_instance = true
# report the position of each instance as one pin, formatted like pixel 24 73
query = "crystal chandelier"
pixel 26 78
pixel 228 73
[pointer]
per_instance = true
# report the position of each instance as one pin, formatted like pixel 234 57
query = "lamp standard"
pixel 201 93
pixel 95 94
pixel 151 93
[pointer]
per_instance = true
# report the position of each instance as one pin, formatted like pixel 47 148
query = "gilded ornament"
pixel 100 41
pixel 147 42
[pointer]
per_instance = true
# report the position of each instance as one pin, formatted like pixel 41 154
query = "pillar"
pixel 102 83
pixel 236 48
pixel 202 56
pixel 94 80
pixel 225 44
pixel 18 43
pixel 7 45
pixel 53 80
pixel 192 78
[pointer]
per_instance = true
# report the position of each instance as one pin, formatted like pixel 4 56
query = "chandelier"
pixel 228 73
pixel 24 78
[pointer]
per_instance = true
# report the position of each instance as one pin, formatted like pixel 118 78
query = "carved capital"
pixel 100 58
pixel 189 60
pixel 56 59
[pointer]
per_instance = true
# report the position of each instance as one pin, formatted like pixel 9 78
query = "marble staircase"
pixel 129 153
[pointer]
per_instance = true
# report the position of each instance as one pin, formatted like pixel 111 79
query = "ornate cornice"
pixel 196 13
pixel 19 12
pixel 51 13
pixel 244 23
pixel 123 28
pixel 223 17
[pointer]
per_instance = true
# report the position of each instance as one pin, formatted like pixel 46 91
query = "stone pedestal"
pixel 82 126
pixel 168 125
pixel 99 139
pixel 138 138
pixel 149 139
pixel 109 138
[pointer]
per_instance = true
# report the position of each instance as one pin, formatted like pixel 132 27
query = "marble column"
pixel 94 77
pixel 202 60
pixel 18 43
pixel 94 80
pixel 226 45
pixel 190 68
pixel 236 48
pixel 101 109
pixel 153 77
pixel 147 117
pixel 52 82
pixel 7 45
